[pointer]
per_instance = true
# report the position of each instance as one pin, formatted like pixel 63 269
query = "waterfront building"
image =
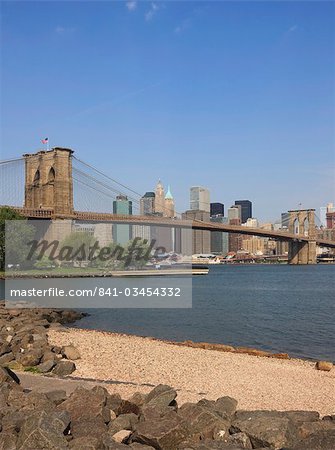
pixel 251 223
pixel 201 239
pixel 122 232
pixel 199 199
pixel 246 209
pixel 235 239
pixel 216 209
pixel 159 198
pixel 169 204
pixel 219 240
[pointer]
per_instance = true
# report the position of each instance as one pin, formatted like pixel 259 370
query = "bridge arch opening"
pixel 37 176
pixel 306 226
pixel 51 175
pixel 296 226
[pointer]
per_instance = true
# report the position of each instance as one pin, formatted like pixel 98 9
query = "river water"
pixel 277 308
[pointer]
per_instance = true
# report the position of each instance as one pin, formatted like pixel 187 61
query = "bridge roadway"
pixel 163 221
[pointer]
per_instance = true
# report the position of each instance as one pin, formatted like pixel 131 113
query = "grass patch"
pixel 31 369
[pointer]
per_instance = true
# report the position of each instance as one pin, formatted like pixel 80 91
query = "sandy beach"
pixel 131 363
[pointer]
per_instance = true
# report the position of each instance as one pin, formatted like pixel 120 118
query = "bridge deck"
pixel 176 223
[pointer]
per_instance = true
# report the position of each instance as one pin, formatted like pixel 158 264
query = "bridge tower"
pixel 302 222
pixel 48 180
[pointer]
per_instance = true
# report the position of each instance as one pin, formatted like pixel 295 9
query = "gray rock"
pixel 266 428
pixel 6 358
pixel 8 376
pixel 240 440
pixel 93 427
pixel 166 433
pixel 85 443
pixel 57 396
pixel 84 404
pixel 8 440
pixel 40 432
pixel 321 440
pixel 122 422
pixel 64 368
pixel 161 396
pixel 204 422
pixel 46 366
pixel 70 352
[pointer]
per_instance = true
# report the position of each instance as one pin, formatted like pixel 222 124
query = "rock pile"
pixel 96 420
pixel 24 342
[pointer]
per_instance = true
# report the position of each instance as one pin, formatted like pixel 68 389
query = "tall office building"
pixel 122 232
pixel 285 220
pixel 147 204
pixel 201 239
pixel 199 199
pixel 159 198
pixel 219 240
pixel 246 209
pixel 217 209
pixel 234 212
pixel 169 204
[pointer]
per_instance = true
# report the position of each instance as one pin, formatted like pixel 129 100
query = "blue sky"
pixel 235 96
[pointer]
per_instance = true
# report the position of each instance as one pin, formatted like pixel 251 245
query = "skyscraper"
pixel 159 198
pixel 147 204
pixel 169 204
pixel 246 209
pixel 219 240
pixel 199 199
pixel 216 209
pixel 122 232
pixel 201 243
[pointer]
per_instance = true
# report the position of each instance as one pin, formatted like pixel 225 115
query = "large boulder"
pixel 163 434
pixel 84 404
pixel 161 396
pixel 122 422
pixel 321 440
pixel 266 428
pixel 70 352
pixel 41 431
pixel 64 368
pixel 92 427
pixel 204 422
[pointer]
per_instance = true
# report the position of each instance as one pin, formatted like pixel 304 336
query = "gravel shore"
pixel 132 363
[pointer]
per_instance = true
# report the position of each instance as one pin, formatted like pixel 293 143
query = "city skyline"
pixel 255 122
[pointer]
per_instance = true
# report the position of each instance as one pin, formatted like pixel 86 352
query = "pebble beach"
pixel 135 364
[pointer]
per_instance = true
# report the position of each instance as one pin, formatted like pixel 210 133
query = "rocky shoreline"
pixel 95 419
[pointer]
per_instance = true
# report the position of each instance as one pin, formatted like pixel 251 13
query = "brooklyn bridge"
pixel 48 185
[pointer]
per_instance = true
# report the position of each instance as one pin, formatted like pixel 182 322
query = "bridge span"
pixel 48 195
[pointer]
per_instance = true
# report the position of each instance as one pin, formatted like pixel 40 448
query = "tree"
pixel 77 247
pixel 14 238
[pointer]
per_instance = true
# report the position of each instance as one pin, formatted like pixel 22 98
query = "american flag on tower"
pixel 45 140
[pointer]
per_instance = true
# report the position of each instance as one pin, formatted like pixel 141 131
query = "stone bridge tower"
pixel 302 223
pixel 48 180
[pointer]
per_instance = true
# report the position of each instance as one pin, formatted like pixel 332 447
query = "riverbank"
pixel 138 364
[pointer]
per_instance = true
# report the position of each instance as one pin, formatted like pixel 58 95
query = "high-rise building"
pixel 246 209
pixel 285 220
pixel 199 199
pixel 216 209
pixel 122 232
pixel 169 204
pixel 234 212
pixel 159 198
pixel 219 240
pixel 147 204
pixel 201 239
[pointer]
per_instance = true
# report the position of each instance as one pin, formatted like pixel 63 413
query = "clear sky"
pixel 235 96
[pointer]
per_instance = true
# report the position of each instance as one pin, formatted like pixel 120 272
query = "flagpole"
pixel 48 145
